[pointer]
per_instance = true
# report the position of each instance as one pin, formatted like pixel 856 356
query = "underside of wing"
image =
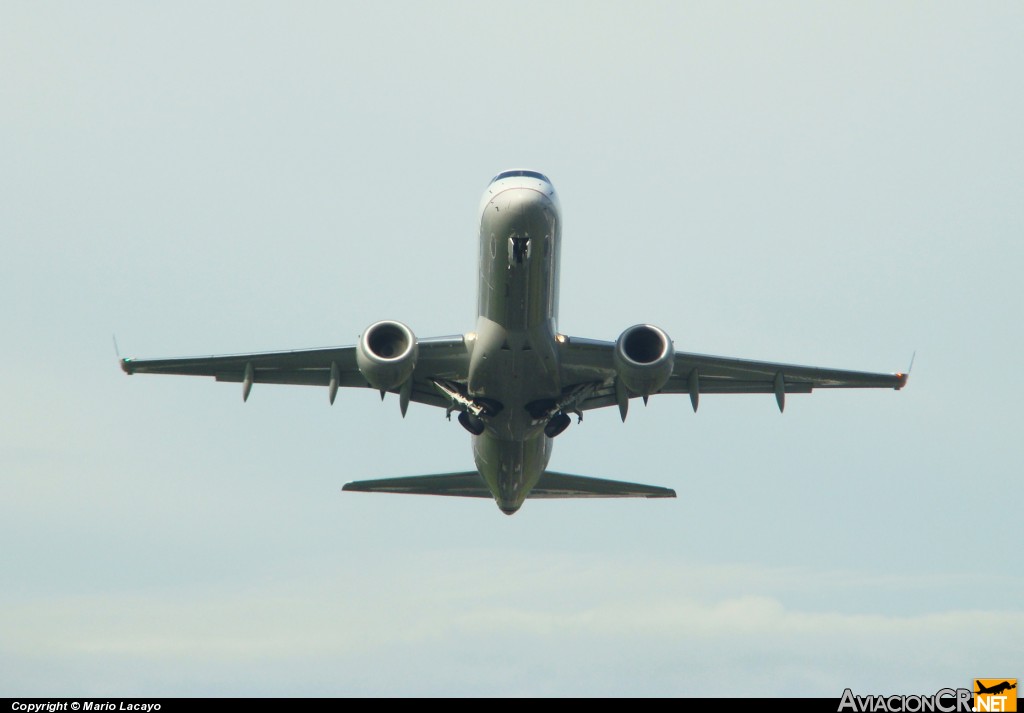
pixel 471 485
pixel 724 375
pixel 310 367
pixel 589 361
pixel 439 358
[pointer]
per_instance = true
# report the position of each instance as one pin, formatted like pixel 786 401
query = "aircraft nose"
pixel 519 203
pixel 523 213
pixel 522 207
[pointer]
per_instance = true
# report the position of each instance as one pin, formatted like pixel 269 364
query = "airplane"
pixel 515 380
pixel 997 688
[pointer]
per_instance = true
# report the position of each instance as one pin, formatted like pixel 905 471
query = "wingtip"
pixel 903 376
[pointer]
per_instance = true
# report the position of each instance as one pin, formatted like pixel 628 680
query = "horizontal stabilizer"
pixel 460 485
pixel 562 485
pixel 471 485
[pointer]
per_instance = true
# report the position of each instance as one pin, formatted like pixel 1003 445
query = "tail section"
pixel 562 485
pixel 460 485
pixel 471 485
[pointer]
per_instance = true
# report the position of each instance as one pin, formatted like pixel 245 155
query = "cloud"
pixel 515 624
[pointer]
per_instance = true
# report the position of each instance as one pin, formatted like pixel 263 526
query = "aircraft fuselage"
pixel 514 362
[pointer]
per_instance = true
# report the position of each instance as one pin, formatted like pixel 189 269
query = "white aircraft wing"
pixel 590 361
pixel 442 358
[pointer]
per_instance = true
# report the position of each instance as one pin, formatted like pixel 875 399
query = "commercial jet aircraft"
pixel 515 379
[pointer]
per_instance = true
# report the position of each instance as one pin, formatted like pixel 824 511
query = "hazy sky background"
pixel 836 184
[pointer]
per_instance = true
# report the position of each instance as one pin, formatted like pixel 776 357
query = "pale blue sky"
pixel 831 184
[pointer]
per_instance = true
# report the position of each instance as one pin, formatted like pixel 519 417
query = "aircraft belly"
pixel 513 369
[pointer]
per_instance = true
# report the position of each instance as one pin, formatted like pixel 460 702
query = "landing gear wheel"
pixel 556 425
pixel 471 423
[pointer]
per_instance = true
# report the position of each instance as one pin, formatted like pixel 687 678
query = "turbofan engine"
pixel 644 358
pixel 386 354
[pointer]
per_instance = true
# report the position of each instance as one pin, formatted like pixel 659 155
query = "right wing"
pixel 439 358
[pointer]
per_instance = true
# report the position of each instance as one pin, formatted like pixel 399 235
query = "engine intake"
pixel 386 354
pixel 643 358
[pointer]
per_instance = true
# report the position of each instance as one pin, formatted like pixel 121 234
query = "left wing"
pixel 439 358
pixel 590 361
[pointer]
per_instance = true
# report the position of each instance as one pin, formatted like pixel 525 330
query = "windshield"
pixel 518 172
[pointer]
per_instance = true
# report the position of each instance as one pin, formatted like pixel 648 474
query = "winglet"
pixel 126 364
pixel 904 376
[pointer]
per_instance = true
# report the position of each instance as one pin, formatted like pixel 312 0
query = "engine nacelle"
pixel 643 358
pixel 386 354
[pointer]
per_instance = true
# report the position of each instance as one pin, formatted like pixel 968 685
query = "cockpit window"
pixel 518 172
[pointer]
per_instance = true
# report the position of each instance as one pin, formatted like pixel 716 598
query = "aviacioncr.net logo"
pixel 995 694
pixel 945 700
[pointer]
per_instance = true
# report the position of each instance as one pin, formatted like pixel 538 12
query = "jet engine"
pixel 643 358
pixel 386 354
